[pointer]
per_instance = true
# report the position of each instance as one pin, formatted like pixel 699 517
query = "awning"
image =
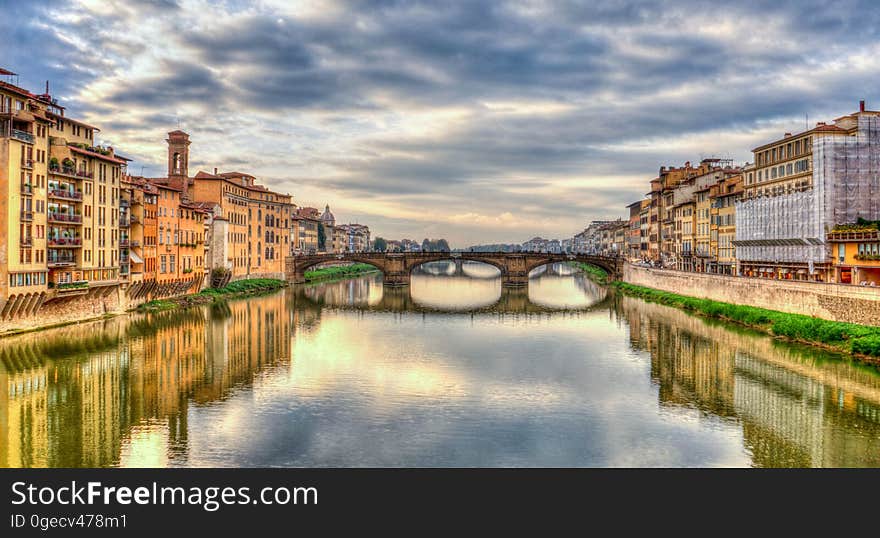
pixel 134 257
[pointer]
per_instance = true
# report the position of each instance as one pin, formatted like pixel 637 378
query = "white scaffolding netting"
pixel 846 186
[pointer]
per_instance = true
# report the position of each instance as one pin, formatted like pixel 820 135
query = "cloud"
pixel 432 119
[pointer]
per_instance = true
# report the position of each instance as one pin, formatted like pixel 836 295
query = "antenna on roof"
pixel 806 121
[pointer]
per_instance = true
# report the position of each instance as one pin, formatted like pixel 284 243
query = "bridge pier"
pixel 515 280
pixel 396 279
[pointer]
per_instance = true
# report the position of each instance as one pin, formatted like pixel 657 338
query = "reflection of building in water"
pixel 795 408
pixel 24 440
pixel 72 397
pixel 364 290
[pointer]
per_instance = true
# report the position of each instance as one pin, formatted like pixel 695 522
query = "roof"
pixel 229 176
pixel 96 155
pixel 6 72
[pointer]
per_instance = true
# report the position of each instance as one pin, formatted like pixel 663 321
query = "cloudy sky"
pixel 477 121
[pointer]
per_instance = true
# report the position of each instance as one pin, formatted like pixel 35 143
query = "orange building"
pixel 258 232
pixel 245 227
pixel 180 239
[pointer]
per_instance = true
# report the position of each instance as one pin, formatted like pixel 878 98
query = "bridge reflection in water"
pixel 325 374
pixel 463 286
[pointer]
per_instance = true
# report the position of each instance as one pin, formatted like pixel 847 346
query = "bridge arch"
pixel 449 257
pixel 309 264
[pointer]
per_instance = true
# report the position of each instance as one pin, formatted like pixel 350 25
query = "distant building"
pixel 304 230
pixel 356 237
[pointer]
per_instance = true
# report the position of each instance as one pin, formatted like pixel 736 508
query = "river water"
pixel 452 371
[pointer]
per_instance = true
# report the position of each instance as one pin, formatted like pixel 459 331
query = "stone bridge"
pixel 397 267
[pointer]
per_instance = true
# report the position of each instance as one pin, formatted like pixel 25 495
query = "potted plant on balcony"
pixel 53 163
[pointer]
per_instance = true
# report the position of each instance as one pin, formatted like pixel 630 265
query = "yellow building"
pixel 855 251
pixel 59 200
pixel 684 240
pixel 702 230
pixel 724 196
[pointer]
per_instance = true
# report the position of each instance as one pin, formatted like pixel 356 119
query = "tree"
pixel 442 245
pixel 426 245
pixel 380 245
pixel 322 238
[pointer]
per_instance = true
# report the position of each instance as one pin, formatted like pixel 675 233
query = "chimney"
pixel 861 104
pixel 215 170
pixel 786 135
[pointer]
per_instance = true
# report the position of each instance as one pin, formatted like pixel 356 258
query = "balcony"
pixel 26 242
pixel 134 219
pixel 123 243
pixel 135 243
pixel 124 222
pixel 27 164
pixel 65 194
pixel 61 260
pixel 123 202
pixel 65 242
pixel 70 172
pixel 65 218
pixel 77 287
pixel 22 136
pixel 27 216
pixel 27 189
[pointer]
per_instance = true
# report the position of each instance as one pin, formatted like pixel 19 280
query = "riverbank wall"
pixel 836 302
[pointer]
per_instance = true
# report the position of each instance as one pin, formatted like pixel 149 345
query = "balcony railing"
pixel 124 222
pixel 70 171
pixel 65 242
pixel 26 242
pixel 123 243
pixel 123 202
pixel 27 216
pixel 65 194
pixel 135 243
pixel 61 260
pixel 62 217
pixel 22 136
pixel 26 189
pixel 27 164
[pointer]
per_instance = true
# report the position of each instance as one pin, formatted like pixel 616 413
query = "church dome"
pixel 328 216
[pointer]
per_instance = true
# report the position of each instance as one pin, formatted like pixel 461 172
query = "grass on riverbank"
pixel 339 271
pixel 595 273
pixel 209 295
pixel 848 337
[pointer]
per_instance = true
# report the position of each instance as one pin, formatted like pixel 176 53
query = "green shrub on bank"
pixel 850 337
pixel 340 271
pixel 246 286
pixel 596 273
pixel 867 345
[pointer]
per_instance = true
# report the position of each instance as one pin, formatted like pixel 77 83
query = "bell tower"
pixel 178 160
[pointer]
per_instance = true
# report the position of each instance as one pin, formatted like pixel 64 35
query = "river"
pixel 453 371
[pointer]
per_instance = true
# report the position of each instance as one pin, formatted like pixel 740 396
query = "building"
pixel 354 238
pixel 304 230
pixel 724 196
pixel 328 224
pixel 855 251
pixel 60 198
pixel 634 233
pixel 535 244
pixel 801 187
pixel 589 241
